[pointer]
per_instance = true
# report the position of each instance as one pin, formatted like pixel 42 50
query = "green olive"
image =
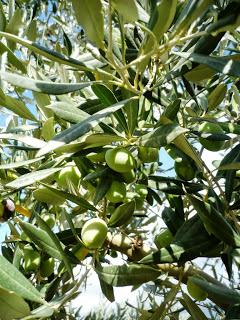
pixel 185 169
pixel 148 154
pixel 119 159
pixel 32 259
pixel 116 192
pixel 94 233
pixel 211 128
pixel 69 174
pixel 47 267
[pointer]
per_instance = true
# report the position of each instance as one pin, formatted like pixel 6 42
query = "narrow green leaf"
pixel 160 21
pixel 217 96
pixel 132 109
pixel 127 9
pixel 16 106
pixel 190 12
pixel 12 306
pixel 80 129
pixel 89 15
pixel 173 186
pixel 102 188
pixel 19 164
pixel 42 86
pixel 108 99
pixel 16 22
pixel 13 280
pixel 171 253
pixel 44 226
pixel 127 275
pixel 219 64
pixel 68 112
pixel 71 197
pixel 12 58
pixel 193 308
pixel 41 239
pixel 107 290
pixel 230 166
pixel 199 74
pixel 44 311
pixel 161 136
pixel 122 214
pixel 30 178
pixel 183 144
pixel 3 20
pixel 54 55
pixel 48 130
pixel 31 141
pixel 222 293
pixel 102 139
pixel 214 222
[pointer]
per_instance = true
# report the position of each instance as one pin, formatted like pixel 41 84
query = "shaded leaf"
pixel 219 64
pixel 161 136
pixel 192 308
pixel 41 239
pixel 56 242
pixel 13 280
pixel 81 64
pixel 127 275
pixel 220 292
pixel 90 16
pixel 80 129
pixel 71 197
pixel 12 306
pixel 215 222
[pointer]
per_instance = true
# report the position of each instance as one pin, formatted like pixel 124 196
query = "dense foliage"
pixel 95 96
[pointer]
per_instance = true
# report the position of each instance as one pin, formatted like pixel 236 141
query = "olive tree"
pixel 95 96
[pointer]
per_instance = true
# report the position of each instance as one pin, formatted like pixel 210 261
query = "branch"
pixel 135 250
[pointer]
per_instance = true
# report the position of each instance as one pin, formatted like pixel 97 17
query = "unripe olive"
pixel 32 259
pixel 116 192
pixel 69 174
pixel 195 291
pixel 185 169
pixel 94 233
pixel 211 128
pixel 47 267
pixel 148 154
pixel 119 159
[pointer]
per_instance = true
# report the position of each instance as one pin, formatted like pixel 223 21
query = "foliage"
pixel 89 91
